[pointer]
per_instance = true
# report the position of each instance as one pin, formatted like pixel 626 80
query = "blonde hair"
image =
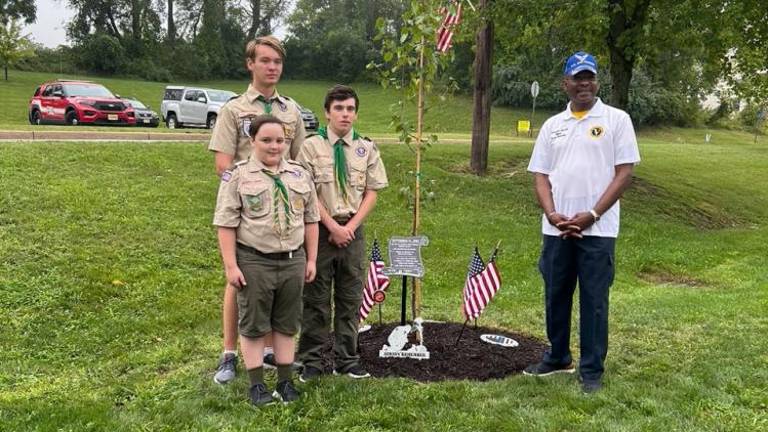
pixel 270 41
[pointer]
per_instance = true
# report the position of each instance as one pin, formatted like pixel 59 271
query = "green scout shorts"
pixel 271 299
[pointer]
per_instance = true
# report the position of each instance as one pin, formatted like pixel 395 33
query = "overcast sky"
pixel 52 18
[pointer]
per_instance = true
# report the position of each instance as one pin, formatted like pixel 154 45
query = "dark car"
pixel 144 114
pixel 309 118
pixel 78 102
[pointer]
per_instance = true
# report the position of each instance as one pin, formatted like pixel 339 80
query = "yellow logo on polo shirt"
pixel 596 132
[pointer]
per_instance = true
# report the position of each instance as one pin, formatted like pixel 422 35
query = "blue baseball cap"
pixel 580 61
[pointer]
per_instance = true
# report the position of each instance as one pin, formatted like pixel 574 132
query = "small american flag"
pixel 445 32
pixel 376 281
pixel 481 285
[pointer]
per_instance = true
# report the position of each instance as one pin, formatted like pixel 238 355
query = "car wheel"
pixel 71 118
pixel 211 122
pixel 170 121
pixel 37 118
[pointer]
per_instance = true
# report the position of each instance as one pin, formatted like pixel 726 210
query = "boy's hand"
pixel 310 271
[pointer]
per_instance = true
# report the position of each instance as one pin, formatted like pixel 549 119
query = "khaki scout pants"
pixel 342 268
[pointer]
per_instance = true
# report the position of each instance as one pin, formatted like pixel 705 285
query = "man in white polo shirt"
pixel 582 163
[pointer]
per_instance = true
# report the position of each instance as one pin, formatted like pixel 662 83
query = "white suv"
pixel 192 106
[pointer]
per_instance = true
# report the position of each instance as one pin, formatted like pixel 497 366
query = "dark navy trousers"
pixel 563 263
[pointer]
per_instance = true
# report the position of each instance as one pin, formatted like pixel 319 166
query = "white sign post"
pixel 534 94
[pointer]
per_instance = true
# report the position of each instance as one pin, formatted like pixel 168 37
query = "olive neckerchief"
pixel 339 161
pixel 280 194
pixel 267 104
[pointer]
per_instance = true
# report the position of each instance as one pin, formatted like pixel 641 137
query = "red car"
pixel 78 102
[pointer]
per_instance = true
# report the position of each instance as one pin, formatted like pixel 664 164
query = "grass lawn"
pixel 111 285
pixel 455 113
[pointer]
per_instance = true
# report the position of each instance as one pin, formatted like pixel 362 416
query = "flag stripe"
pixel 445 32
pixel 376 280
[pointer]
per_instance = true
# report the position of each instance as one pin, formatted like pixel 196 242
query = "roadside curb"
pixel 100 136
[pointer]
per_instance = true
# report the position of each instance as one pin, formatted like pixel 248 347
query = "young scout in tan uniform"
pixel 265 211
pixel 264 58
pixel 348 172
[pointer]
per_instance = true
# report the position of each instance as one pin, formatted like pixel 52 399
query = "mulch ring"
pixel 472 359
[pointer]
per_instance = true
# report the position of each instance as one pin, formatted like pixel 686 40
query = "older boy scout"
pixel 347 171
pixel 264 58
pixel 582 163
pixel 266 210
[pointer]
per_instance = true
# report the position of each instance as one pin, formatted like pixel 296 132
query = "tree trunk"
pixel 136 21
pixel 255 19
pixel 481 120
pixel 624 33
pixel 5 68
pixel 171 25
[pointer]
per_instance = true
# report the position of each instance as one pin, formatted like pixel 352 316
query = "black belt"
pixel 277 256
pixel 342 220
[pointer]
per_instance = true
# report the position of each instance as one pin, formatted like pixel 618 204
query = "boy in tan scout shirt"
pixel 264 57
pixel 265 211
pixel 347 171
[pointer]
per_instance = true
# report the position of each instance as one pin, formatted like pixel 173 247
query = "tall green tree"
pixel 24 10
pixel 13 45
pixel 679 46
pixel 747 64
pixel 334 39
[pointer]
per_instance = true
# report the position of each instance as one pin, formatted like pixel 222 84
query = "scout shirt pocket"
pixel 358 174
pixel 299 197
pixel 322 170
pixel 256 199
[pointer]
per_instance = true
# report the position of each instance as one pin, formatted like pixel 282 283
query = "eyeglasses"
pixel 586 79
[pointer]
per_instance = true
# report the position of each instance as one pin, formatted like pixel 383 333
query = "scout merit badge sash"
pixel 339 162
pixel 280 195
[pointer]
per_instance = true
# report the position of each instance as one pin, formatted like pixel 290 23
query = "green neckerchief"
pixel 280 194
pixel 339 161
pixel 267 104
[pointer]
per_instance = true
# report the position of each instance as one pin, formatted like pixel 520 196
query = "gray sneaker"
pixel 227 369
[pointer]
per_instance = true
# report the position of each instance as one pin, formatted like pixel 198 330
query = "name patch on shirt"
pixel 558 133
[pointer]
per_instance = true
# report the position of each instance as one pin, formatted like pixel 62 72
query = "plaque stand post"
pixel 404 301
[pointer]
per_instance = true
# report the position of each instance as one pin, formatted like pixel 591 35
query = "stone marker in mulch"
pixel 471 359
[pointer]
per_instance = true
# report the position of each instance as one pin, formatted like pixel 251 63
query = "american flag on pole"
pixel 482 283
pixel 376 281
pixel 445 32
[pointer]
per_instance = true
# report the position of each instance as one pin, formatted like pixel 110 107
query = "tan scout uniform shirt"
pixel 364 168
pixel 230 135
pixel 247 202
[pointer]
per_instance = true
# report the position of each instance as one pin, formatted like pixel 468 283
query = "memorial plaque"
pixel 405 256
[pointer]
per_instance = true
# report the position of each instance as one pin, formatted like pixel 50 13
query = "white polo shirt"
pixel 580 156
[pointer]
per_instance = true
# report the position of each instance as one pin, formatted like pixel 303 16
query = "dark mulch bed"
pixel 471 359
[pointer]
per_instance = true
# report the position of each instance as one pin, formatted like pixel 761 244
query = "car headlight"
pixel 88 102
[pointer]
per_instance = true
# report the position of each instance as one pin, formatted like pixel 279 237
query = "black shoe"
pixel 260 396
pixel 309 373
pixel 285 392
pixel 354 371
pixel 227 369
pixel 269 361
pixel 544 369
pixel 591 386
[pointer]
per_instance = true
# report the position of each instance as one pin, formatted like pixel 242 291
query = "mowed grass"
pixel 452 115
pixel 111 285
